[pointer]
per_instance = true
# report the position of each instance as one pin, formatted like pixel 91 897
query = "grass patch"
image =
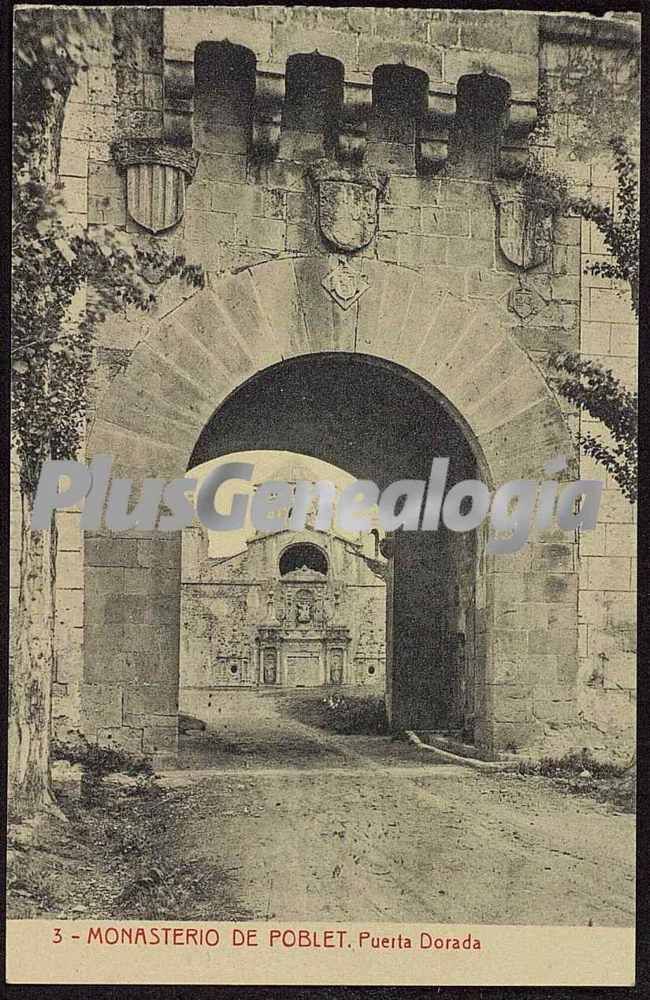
pixel 348 715
pixel 98 761
pixel 581 773
pixel 573 764
pixel 120 857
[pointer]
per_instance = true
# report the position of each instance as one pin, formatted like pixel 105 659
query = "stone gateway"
pixel 333 171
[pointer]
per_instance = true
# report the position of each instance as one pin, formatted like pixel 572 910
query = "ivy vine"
pixel 596 391
pixel 587 385
pixel 53 334
pixel 621 228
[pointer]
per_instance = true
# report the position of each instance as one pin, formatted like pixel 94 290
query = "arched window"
pixel 303 554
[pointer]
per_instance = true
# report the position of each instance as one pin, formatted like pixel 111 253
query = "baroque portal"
pixel 288 610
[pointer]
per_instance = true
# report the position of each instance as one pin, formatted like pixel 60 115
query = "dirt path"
pixel 316 827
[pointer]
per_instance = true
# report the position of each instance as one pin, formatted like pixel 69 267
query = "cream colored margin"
pixel 509 956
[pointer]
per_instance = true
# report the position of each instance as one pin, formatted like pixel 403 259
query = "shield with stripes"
pixel 157 174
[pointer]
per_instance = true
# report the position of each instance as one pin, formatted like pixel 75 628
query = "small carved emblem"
pixel 303 611
pixel 345 285
pixel 525 230
pixel 525 301
pixel 522 302
pixel 348 203
pixel 153 272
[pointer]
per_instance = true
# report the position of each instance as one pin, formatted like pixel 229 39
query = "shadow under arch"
pixel 333 379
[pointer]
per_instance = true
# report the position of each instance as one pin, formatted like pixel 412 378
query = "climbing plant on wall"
pixel 598 92
pixel 595 391
pixel 590 93
pixel 590 387
pixel 620 229
pixel 65 283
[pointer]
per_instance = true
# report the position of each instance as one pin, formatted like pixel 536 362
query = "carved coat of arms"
pixel 348 203
pixel 524 229
pixel 347 212
pixel 157 174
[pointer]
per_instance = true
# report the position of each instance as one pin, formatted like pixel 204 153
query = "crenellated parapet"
pixel 435 113
pixel 513 150
pixel 178 98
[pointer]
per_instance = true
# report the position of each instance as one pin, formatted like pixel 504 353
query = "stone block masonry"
pixel 130 638
pixel 608 335
pixel 436 257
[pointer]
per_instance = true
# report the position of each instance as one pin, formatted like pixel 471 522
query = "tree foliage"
pixel 54 261
pixel 596 391
pixel 599 90
pixel 621 228
pixel 51 48
pixel 52 342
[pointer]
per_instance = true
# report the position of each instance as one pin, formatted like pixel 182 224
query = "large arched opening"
pixel 380 423
pixel 267 359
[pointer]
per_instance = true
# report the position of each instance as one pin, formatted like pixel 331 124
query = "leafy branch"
pixel 596 391
pixel 52 351
pixel 620 231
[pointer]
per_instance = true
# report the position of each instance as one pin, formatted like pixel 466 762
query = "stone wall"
pixel 241 212
pixel 608 336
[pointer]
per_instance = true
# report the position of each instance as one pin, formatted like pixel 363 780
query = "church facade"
pixel 294 610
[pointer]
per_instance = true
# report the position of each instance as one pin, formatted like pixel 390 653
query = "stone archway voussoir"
pixel 275 286
pixel 137 455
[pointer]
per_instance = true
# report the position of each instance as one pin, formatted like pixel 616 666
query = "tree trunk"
pixel 31 674
pixel 32 667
